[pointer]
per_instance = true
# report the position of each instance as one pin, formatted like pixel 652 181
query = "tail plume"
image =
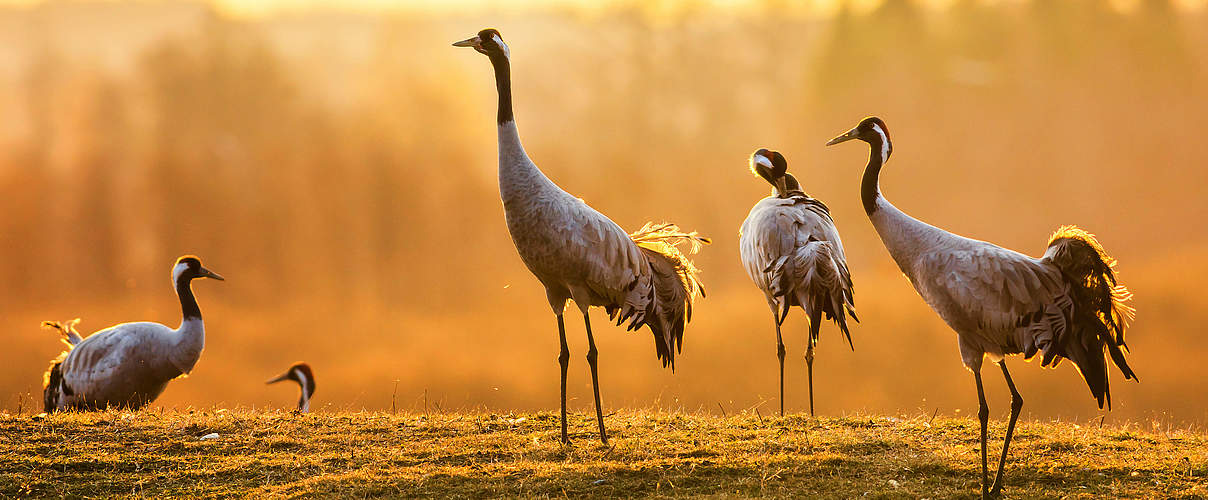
pixel 51 381
pixel 1101 312
pixel 676 285
pixel 817 279
pixel 67 329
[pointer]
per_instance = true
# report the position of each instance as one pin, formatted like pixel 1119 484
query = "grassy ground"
pixel 653 453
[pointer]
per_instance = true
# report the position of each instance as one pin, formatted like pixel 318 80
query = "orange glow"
pixel 338 167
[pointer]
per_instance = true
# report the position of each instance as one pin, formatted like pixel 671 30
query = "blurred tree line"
pixel 216 143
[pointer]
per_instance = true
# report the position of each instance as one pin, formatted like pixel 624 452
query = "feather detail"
pixel 676 284
pixel 1100 312
pixel 71 337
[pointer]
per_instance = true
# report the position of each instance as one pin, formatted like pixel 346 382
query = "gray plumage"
pixel 578 253
pixel 130 364
pixel 1066 304
pixel 791 250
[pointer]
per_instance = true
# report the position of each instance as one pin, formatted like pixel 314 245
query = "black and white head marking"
pixel 884 139
pixel 186 268
pixel 760 158
pixel 489 42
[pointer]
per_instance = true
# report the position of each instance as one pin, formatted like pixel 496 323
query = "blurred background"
pixel 337 165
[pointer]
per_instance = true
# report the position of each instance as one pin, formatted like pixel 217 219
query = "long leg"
pixel 815 324
pixel 983 414
pixel 595 380
pixel 563 360
pixel 1016 406
pixel 780 354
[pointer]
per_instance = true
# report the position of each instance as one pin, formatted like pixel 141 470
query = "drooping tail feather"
pixel 675 286
pixel 67 329
pixel 53 378
pixel 51 381
pixel 817 279
pixel 1100 312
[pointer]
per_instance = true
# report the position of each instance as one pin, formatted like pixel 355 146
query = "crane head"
pixel 300 373
pixel 871 130
pixel 487 41
pixel 189 267
pixel 771 166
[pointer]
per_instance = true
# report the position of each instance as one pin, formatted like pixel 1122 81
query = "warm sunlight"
pixel 339 248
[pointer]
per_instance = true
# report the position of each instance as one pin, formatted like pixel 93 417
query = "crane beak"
pixel 206 273
pixel 283 376
pixel 469 42
pixel 849 135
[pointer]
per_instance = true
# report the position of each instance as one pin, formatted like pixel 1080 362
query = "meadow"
pixel 205 453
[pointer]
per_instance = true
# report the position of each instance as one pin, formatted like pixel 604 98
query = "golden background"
pixel 337 166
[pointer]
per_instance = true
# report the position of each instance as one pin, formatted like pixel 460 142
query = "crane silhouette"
pixel 579 254
pixel 1066 304
pixel 130 364
pixel 791 250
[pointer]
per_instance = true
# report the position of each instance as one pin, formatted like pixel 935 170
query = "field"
pixel 655 453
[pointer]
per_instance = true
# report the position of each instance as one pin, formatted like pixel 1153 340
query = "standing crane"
pixel 791 250
pixel 581 255
pixel 302 374
pixel 1065 304
pixel 130 364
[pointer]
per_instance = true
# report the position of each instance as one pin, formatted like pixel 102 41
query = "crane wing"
pixel 984 290
pixel 791 250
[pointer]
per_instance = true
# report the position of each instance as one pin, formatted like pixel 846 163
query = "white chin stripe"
pixel 761 160
pixel 884 143
pixel 504 46
pixel 177 271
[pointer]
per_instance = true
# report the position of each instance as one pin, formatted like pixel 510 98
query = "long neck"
pixel 192 333
pixel 188 304
pixel 303 402
pixel 870 185
pixel 519 177
pixel 503 83
pixel 905 237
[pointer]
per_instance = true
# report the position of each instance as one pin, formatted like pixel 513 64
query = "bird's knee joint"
pixel 1016 403
pixel 592 355
pixel 780 351
pixel 564 357
pixel 983 413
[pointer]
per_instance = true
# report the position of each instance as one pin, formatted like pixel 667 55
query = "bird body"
pixel 578 253
pixel 128 365
pixel 574 250
pixel 1066 304
pixel 791 250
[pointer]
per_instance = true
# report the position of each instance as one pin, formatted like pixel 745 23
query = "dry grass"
pixel 653 454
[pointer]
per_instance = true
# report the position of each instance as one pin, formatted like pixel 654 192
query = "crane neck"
pixel 188 304
pixel 303 402
pixel 519 177
pixel 503 83
pixel 191 337
pixel 870 184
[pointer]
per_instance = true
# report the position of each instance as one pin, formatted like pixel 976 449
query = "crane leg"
pixel 592 355
pixel 815 325
pixel 1016 406
pixel 983 414
pixel 780 354
pixel 563 360
pixel 809 368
